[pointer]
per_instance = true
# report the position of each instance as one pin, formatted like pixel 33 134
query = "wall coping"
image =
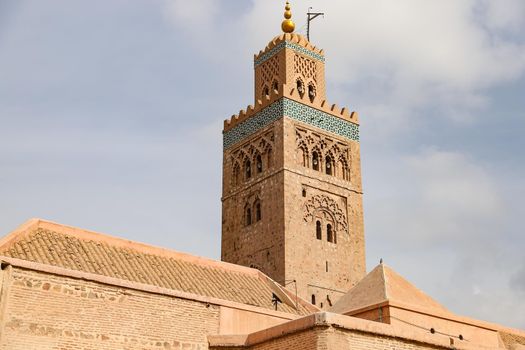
pixel 445 316
pixel 326 319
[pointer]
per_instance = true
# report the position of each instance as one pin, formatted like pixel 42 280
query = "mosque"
pixel 293 272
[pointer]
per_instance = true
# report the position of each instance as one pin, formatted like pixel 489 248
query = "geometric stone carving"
pixel 326 205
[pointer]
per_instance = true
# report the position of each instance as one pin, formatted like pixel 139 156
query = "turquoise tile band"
pixel 296 111
pixel 286 44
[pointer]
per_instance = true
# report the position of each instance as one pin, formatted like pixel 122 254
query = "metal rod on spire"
pixel 311 17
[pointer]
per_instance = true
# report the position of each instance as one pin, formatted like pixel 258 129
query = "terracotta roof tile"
pixel 79 250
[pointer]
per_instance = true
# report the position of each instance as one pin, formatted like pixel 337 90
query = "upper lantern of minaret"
pixel 291 71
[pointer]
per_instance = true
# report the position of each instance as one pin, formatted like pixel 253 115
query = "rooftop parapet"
pixel 322 105
pixel 294 39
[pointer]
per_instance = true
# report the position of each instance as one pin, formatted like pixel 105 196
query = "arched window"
pixel 259 164
pixel 311 92
pixel 276 86
pixel 258 214
pixel 328 166
pixel 315 161
pixel 329 233
pixel 248 216
pixel 340 173
pixel 301 156
pixel 269 164
pixel 266 92
pixel 236 174
pixel 248 169
pixel 300 87
pixel 313 299
pixel 318 232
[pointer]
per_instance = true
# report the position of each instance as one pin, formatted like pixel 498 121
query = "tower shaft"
pixel 292 194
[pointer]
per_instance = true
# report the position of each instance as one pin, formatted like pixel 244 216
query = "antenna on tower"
pixel 311 17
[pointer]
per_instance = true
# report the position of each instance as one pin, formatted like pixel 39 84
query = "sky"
pixel 111 116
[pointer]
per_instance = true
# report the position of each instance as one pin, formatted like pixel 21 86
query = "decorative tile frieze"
pixel 286 44
pixel 296 111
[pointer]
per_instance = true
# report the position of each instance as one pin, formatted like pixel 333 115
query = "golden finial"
pixel 288 25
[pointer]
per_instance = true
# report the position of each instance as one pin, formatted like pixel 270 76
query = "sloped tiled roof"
pixel 75 249
pixel 384 284
pixel 513 339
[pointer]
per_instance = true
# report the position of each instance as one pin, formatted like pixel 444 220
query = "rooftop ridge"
pixel 390 289
pixel 381 285
pixel 294 39
pixel 31 225
pixel 385 282
pixel 322 105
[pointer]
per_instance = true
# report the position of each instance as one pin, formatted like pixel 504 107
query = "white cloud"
pixel 450 182
pixel 443 197
pixel 411 54
pixel 518 280
pixel 195 16
pixel 442 212
pixel 508 15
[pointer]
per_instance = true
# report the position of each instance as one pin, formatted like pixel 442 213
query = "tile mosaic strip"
pixel 321 120
pixel 297 48
pixel 260 120
pixel 296 111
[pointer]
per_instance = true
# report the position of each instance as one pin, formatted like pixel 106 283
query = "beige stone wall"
pixel 345 339
pixel 307 340
pixel 284 68
pixel 323 338
pixel 283 243
pixel 42 311
pixel 331 331
pixel 422 323
pixel 237 321
pixel 307 257
pixel 261 244
pixel 309 70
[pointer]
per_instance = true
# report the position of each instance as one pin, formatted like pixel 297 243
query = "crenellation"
pixel 292 38
pixel 324 106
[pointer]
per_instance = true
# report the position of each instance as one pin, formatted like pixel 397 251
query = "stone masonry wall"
pixel 324 338
pixel 307 340
pixel 344 339
pixel 284 68
pixel 322 268
pixel 292 197
pixel 261 244
pixel 47 312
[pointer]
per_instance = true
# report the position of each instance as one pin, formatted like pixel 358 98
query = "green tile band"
pixel 296 111
pixel 297 48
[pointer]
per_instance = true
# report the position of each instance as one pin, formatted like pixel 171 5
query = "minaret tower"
pixel 292 195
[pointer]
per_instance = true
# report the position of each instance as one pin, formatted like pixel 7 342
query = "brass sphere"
pixel 288 14
pixel 288 26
